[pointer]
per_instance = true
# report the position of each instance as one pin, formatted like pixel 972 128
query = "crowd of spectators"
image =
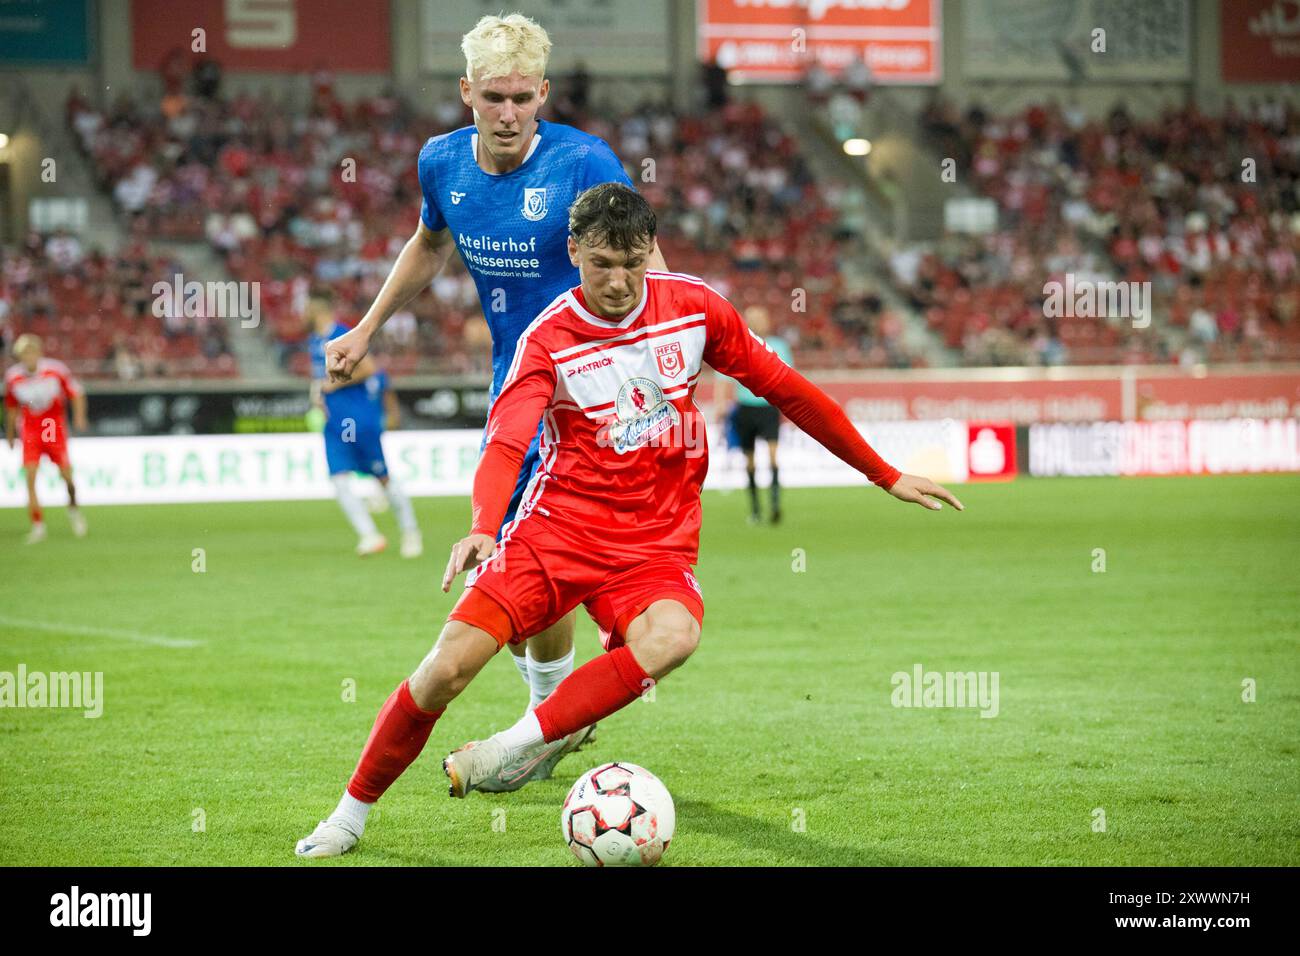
pixel 1205 208
pixel 329 194
pixel 98 312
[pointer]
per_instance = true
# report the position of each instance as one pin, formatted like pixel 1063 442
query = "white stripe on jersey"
pixel 592 381
pixel 596 343
pixel 592 319
pixel 556 305
pixel 683 277
pixel 597 411
pixel 548 452
pixel 533 490
pixel 696 280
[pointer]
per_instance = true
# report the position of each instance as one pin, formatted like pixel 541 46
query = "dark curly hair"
pixel 613 215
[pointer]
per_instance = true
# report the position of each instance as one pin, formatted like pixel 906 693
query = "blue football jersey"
pixel 512 229
pixel 357 402
pixel 376 385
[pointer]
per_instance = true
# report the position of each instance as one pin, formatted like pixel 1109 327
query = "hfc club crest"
pixel 534 203
pixel 669 358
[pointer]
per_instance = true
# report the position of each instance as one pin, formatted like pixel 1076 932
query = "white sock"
pixel 355 509
pixel 524 735
pixel 545 676
pixel 521 662
pixel 401 506
pixel 351 813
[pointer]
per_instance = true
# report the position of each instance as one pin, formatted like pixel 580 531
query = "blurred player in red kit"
pixel 611 519
pixel 42 387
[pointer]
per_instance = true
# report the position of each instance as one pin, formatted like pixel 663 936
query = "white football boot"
pixel 37 534
pixel 538 763
pixel 371 544
pixel 328 839
pixel 477 761
pixel 78 522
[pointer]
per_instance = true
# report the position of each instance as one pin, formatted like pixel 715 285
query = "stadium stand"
pixel 1109 197
pixel 1165 200
pixel 261 184
pixel 94 311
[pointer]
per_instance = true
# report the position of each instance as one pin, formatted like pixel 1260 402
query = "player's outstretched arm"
pixel 494 482
pixel 360 372
pixel 731 348
pixel 817 414
pixel 468 552
pixel 422 258
pixel 922 490
pixel 722 396
pixel 516 413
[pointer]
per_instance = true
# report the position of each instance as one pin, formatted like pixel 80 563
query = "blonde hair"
pixel 24 342
pixel 497 46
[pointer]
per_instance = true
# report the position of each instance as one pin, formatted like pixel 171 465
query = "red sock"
pixel 594 691
pixel 400 733
pixel 35 513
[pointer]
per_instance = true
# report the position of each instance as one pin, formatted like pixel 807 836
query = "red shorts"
pixel 34 448
pixel 537 577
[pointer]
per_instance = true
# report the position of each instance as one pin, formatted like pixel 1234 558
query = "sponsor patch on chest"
pixel 642 415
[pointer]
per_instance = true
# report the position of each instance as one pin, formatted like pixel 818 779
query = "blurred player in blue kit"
pixel 355 414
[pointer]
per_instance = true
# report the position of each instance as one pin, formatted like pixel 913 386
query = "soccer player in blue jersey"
pixel 497 192
pixel 354 421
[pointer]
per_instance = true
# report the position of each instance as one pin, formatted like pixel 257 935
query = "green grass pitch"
pixel 1119 691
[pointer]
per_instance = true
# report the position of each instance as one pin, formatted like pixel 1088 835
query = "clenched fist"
pixel 344 354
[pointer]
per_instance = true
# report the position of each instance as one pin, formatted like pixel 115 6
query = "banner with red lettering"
pixel 1260 41
pixel 772 40
pixel 1028 396
pixel 266 36
pixel 1235 446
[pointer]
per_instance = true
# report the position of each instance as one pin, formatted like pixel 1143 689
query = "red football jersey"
pixel 42 394
pixel 623 449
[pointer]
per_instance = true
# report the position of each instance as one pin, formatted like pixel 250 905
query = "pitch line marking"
pixel 137 637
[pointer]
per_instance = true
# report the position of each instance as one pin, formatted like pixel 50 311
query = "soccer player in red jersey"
pixel 611 519
pixel 498 192
pixel 41 387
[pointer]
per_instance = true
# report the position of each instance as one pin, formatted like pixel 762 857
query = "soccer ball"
pixel 618 815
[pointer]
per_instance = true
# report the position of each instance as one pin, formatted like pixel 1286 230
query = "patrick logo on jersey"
pixel 641 415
